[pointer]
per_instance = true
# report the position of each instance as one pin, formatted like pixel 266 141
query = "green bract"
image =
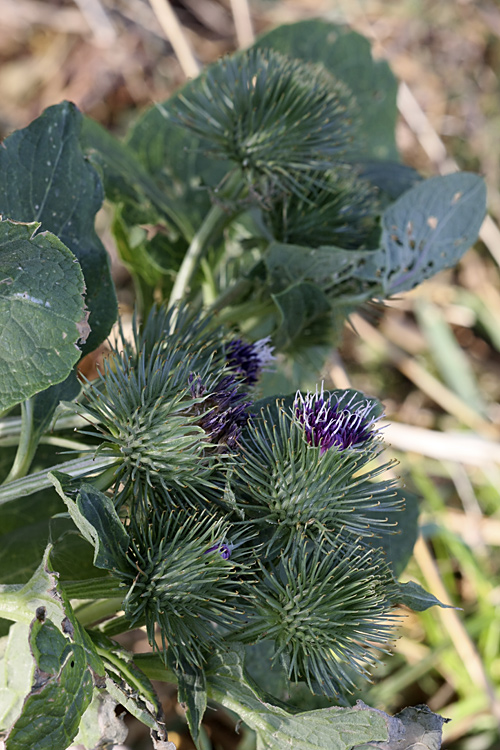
pixel 326 608
pixel 291 489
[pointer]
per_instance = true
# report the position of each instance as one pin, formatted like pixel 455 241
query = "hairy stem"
pixel 216 218
pixel 27 443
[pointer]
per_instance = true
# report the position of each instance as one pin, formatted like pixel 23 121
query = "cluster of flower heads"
pixel 268 494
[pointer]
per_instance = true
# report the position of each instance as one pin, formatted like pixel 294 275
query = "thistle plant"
pixel 255 209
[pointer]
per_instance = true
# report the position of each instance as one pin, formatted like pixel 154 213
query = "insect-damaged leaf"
pixel 42 315
pixel 45 177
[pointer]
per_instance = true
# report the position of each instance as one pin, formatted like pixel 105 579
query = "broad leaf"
pixel 277 729
pixel 327 266
pixel 96 518
pixel 16 672
pixel 392 178
pixel 192 694
pixel 46 178
pixel 128 685
pixel 101 726
pixel 347 55
pixel 42 315
pixel 175 158
pixel 303 316
pixel 64 666
pixel 429 228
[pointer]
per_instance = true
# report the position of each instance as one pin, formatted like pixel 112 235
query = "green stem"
pixel 27 443
pixel 118 625
pixel 11 427
pixel 40 481
pixel 231 295
pixel 154 668
pixel 102 609
pixel 214 220
pixel 104 587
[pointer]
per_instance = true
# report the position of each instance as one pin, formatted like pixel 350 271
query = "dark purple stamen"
pixel 224 549
pixel 329 421
pixel 248 360
pixel 223 411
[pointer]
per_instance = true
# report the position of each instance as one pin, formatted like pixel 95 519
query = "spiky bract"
pixel 336 208
pixel 181 582
pixel 326 609
pixel 161 430
pixel 277 118
pixel 290 488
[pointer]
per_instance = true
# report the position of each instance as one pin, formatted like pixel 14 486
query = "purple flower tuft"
pixel 248 360
pixel 224 549
pixel 331 421
pixel 223 411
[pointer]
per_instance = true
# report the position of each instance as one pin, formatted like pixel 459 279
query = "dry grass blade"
pixel 461 447
pixel 454 626
pixel 176 36
pixel 242 22
pixel 427 383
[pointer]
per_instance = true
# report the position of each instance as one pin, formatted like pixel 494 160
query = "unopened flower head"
pixel 331 421
pixel 224 550
pixel 248 360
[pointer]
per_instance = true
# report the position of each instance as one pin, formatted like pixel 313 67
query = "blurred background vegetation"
pixel 432 357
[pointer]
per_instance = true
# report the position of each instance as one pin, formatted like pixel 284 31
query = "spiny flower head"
pixel 249 359
pixel 289 487
pixel 274 116
pixel 326 608
pixel 338 208
pixel 339 421
pixel 167 428
pixel 181 580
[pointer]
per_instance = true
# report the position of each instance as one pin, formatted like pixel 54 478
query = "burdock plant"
pixel 240 529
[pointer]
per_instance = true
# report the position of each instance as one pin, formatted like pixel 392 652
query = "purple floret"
pixel 223 411
pixel 248 360
pixel 331 421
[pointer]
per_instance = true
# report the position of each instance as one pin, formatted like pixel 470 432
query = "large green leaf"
pixel 192 694
pixel 421 730
pixel 429 228
pixel 347 56
pixel 327 266
pixel 63 666
pixel 303 316
pixel 277 729
pixel 42 314
pixel 45 177
pixel 129 686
